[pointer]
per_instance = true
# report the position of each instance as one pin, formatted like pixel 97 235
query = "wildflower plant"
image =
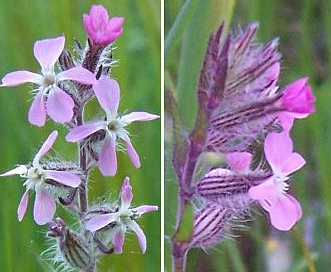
pixel 66 84
pixel 244 118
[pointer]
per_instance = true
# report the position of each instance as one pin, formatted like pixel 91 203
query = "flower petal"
pixel 59 105
pixel 65 178
pixel 78 74
pixel 107 157
pixel 126 194
pixel 48 51
pixel 98 222
pixel 292 163
pixel 239 161
pixel 47 145
pixel 145 209
pixel 265 193
pixel 118 240
pixel 297 205
pixel 37 111
pixel 81 132
pixel 298 98
pixel 138 116
pixel 285 212
pixel 100 29
pixel 277 146
pixel 115 26
pixel 107 92
pixel 23 205
pixel 44 207
pixel 140 234
pixel 131 151
pixel 286 120
pixel 19 170
pixel 219 172
pixel 21 77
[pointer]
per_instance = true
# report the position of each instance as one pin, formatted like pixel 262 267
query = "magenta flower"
pixel 107 92
pixel 298 99
pixel 49 97
pixel 123 220
pixel 36 175
pixel 100 29
pixel 284 209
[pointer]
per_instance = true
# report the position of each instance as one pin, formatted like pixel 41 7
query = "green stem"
pixel 306 251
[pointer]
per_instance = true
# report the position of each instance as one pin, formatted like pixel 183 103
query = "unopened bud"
pixel 73 247
pixel 210 225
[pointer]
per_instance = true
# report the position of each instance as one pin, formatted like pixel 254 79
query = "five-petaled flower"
pixel 100 29
pixel 123 219
pixel 284 209
pixel 49 97
pixel 36 179
pixel 107 92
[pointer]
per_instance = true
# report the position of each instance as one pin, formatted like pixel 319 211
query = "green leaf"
pixel 207 17
pixel 180 143
pixel 178 27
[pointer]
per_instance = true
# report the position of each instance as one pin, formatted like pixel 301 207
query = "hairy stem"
pixel 83 194
pixel 91 267
pixel 192 156
pixel 179 256
pixel 83 197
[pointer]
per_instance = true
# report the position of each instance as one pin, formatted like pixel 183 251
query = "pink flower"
pixel 35 175
pixel 100 29
pixel 49 97
pixel 298 99
pixel 123 220
pixel 284 209
pixel 107 92
pixel 239 161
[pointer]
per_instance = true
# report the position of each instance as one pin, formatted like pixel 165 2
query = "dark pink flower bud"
pixel 101 29
pixel 298 98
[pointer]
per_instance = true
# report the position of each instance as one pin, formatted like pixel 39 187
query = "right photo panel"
pixel 247 135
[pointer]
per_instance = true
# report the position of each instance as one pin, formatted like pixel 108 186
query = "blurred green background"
pixel 304 29
pixel 138 72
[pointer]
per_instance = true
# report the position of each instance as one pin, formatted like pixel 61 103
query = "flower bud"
pixel 210 225
pixel 101 29
pixel 298 98
pixel 73 248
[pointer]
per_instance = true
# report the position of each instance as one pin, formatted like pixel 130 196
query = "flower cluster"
pixel 62 90
pixel 252 106
pixel 241 107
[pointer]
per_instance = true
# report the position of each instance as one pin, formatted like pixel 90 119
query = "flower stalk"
pixel 99 228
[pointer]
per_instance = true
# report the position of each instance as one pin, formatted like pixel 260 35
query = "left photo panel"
pixel 81 136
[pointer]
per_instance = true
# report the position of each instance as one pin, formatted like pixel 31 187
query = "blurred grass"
pixel 304 29
pixel 138 73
